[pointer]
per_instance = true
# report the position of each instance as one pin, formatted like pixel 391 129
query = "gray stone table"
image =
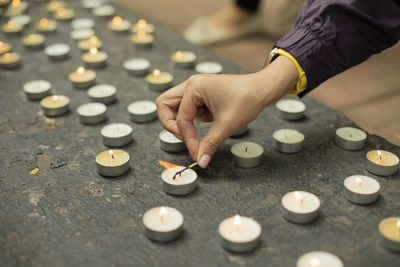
pixel 68 215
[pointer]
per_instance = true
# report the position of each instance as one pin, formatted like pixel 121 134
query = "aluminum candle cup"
pixel 46 25
pixel 209 68
pixel 183 184
pixel 361 189
pixel 102 93
pixel 37 89
pixel 82 78
pixel 350 138
pixel 142 111
pixel 242 131
pixel 112 163
pixel 92 113
pixel 94 58
pixel 159 81
pixel 10 61
pixel 104 11
pixel 288 140
pixel 34 41
pixel 300 206
pixel 290 109
pixel 137 66
pixel 247 154
pixel 116 134
pixel 169 143
pixel 389 230
pixel 163 224
pixel 239 234
pixel 319 259
pixel 381 162
pixel 55 105
pixel 183 59
pixel 57 51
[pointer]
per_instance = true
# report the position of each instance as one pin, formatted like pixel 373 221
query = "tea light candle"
pixel 116 134
pixel 169 142
pixel 389 230
pixel 23 20
pixel 92 41
pixel 16 8
pixel 288 140
pixel 183 184
pixel 89 4
pixel 81 34
pixel 55 105
pixel 34 41
pixel 159 81
pixel 10 60
pixel 82 23
pixel 290 109
pixel 5 47
pixel 361 189
pixel 142 25
pixel 112 163
pixel 239 233
pixel 46 25
pixel 37 89
pixel 82 78
pixel 142 39
pixel 57 51
pixel 242 131
pixel 12 28
pixel 54 5
pixel 183 59
pixel 319 259
pixel 142 111
pixel 209 68
pixel 92 113
pixel 102 93
pixel 64 14
pixel 300 206
pixel 247 154
pixel 94 58
pixel 4 3
pixel 137 66
pixel 117 24
pixel 350 138
pixel 163 224
pixel 381 162
pixel 104 11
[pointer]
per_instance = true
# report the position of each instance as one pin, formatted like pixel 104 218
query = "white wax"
pixel 57 50
pixel 82 34
pixel 104 11
pixel 291 106
pixel 186 177
pixel 37 86
pixel 142 107
pixel 91 109
pixel 288 136
pixel 168 222
pixel 361 184
pixel 21 20
pixel 309 203
pixel 351 134
pixel 319 259
pixel 209 67
pixel 102 91
pixel 247 150
pixel 115 130
pixel 83 23
pixel 136 64
pixel 248 230
pixel 168 137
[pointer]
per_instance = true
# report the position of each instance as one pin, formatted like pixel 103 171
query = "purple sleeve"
pixel 331 36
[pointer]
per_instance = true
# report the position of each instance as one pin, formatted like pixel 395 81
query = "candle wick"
pixel 112 156
pixel 351 135
pixel 380 156
pixel 246 149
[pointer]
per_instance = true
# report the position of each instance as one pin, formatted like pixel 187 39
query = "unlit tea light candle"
pixel 112 163
pixel 350 138
pixel 239 233
pixel 389 230
pixel 137 66
pixel 183 59
pixel 81 34
pixel 290 109
pixel 142 111
pixel 57 51
pixel 102 93
pixel 37 89
pixel 159 81
pixel 142 25
pixel 23 20
pixel 319 259
pixel 142 39
pixel 94 58
pixel 55 105
pixel 381 162
pixel 104 11
pixel 82 23
pixel 10 60
pixel 34 41
pixel 116 134
pixel 92 41
pixel 300 206
pixel 183 184
pixel 117 24
pixel 46 25
pixel 82 78
pixel 247 154
pixel 170 143
pixel 209 67
pixel 361 189
pixel 92 113
pixel 288 140
pixel 163 224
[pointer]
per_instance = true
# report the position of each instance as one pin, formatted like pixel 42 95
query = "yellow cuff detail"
pixel 301 79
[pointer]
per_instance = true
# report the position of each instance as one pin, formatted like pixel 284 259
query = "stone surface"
pixel 68 215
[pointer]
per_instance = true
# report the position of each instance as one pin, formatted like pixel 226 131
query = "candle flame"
pixel 32 36
pixel 156 72
pixel 117 20
pixel 380 154
pixel 55 97
pixel 299 197
pixel 314 262
pixel 1 43
pixel 93 39
pixel 236 220
pixel 163 213
pixel 80 70
pixel 7 56
pixel 93 50
pixel 359 181
pixel 141 34
pixel 43 22
pixel 10 23
pixel 142 23
pixel 54 4
pixel 15 3
pixel 178 54
pixel 111 153
pixel 61 11
pixel 398 224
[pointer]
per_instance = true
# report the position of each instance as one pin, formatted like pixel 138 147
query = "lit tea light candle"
pixel 142 25
pixel 183 59
pixel 46 25
pixel 142 111
pixel 102 93
pixel 142 39
pixel 242 131
pixel 64 14
pixel 117 24
pixel 247 154
pixel 37 89
pixel 4 3
pixel 389 230
pixel 104 11
pixel 209 68
pixel 288 140
pixel 137 66
pixel 112 163
pixel 361 189
pixel 159 81
pixel 57 51
pixel 116 134
pixel 170 143
pixel 381 162
pixel 183 184
pixel 350 138
pixel 10 60
pixel 94 58
pixel 54 5
pixel 163 224
pixel 319 259
pixel 12 28
pixel 5 47
pixel 82 23
pixel 55 105
pixel 290 109
pixel 81 34
pixel 92 41
pixel 300 206
pixel 23 20
pixel 16 8
pixel 34 41
pixel 239 233
pixel 82 78
pixel 92 113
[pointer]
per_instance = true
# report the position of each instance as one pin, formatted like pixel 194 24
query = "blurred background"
pixel 369 93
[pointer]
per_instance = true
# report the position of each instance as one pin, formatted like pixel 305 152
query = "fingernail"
pixel 204 161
